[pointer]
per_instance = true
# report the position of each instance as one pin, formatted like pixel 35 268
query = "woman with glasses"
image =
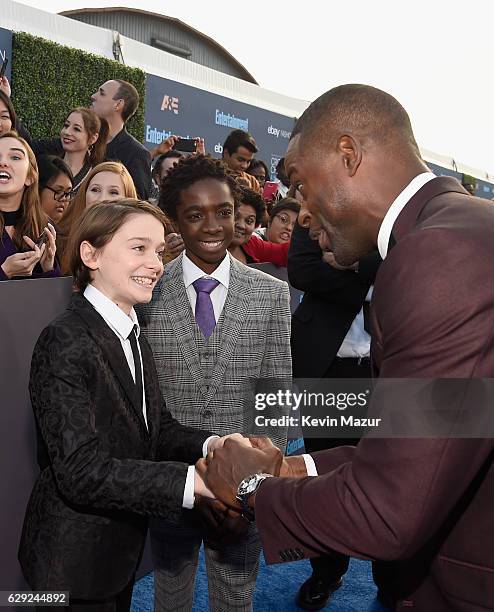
pixel 273 244
pixel 55 185
pixel 27 239
pixel 282 219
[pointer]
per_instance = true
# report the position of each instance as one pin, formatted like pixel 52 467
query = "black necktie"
pixel 137 363
pixel 367 323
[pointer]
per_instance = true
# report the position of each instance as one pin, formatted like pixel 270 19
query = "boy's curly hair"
pixel 189 171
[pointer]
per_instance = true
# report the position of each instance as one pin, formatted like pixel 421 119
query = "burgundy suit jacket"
pixel 425 504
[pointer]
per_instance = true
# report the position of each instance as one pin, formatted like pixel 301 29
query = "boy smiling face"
pixel 205 218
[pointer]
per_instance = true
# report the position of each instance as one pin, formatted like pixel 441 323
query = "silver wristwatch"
pixel 246 488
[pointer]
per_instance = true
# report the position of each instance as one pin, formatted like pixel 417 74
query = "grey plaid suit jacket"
pixel 203 383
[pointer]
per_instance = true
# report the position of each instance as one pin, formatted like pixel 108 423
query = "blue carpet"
pixel 276 588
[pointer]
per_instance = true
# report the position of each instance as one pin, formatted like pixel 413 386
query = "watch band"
pixel 247 487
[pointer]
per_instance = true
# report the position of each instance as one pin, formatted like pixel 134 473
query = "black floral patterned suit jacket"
pixel 102 471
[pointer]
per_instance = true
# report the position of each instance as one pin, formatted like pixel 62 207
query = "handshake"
pixel 223 509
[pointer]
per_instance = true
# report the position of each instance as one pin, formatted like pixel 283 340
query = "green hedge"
pixel 49 79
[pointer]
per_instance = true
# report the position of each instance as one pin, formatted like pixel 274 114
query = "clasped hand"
pixel 221 525
pixel 225 467
pixel 229 461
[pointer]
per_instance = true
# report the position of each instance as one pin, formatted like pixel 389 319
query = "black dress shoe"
pixel 314 594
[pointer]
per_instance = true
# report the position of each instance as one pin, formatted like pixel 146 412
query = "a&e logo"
pixel 170 104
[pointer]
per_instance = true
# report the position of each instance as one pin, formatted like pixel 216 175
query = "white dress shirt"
pixel 310 465
pixel 122 325
pixel 356 343
pixel 218 295
pixel 396 207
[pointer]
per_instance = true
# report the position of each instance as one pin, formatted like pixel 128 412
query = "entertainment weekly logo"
pixel 231 121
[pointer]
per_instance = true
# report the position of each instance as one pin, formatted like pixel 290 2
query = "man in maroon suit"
pixel 426 504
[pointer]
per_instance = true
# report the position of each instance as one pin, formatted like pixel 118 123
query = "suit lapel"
pixel 407 218
pixel 405 222
pixel 111 347
pixel 182 320
pixel 234 318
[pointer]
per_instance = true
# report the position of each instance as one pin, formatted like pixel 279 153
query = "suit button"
pixel 207 414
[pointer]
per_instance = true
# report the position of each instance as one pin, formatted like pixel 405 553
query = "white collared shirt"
pixel 396 207
pixel 121 325
pixel 218 295
pixel 357 341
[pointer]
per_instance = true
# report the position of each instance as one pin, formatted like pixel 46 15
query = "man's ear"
pixel 89 255
pixel 350 150
pixel 119 104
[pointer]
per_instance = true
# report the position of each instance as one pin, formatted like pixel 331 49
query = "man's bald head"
pixel 351 154
pixel 359 110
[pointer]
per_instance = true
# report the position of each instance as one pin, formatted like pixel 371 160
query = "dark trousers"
pixel 332 567
pixel 118 603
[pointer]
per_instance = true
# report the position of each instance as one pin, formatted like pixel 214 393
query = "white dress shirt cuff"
pixel 205 446
pixel 310 465
pixel 189 499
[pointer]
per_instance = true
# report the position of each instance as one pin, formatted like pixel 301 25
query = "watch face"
pixel 248 484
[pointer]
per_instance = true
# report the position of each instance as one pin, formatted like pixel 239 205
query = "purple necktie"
pixel 204 306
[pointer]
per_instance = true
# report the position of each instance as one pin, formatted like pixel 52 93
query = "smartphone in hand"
pixel 39 243
pixel 4 67
pixel 186 145
pixel 270 191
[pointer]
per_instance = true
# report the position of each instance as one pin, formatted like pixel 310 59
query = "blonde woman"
pixel 106 181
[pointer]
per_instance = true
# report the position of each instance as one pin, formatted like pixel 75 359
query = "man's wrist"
pixel 246 493
pixel 294 467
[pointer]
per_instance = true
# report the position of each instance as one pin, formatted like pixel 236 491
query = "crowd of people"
pixel 96 159
pixel 140 389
